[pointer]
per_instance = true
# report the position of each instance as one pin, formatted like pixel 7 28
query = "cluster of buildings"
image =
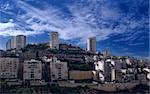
pixel 39 66
pixel 31 71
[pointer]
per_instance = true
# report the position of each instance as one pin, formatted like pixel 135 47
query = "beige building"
pixel 32 70
pixel 54 40
pixel 91 44
pixel 58 70
pixel 9 67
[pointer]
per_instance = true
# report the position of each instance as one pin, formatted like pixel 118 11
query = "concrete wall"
pixel 80 75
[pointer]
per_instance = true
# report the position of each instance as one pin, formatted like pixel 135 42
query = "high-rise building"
pixel 54 40
pixel 20 41
pixel 9 67
pixel 17 42
pixel 91 44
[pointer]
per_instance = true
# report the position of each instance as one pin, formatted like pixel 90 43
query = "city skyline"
pixel 123 29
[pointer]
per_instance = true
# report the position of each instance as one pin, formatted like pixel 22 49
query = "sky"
pixel 121 26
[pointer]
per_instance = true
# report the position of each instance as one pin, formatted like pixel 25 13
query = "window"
pixel 32 70
pixel 59 68
pixel 53 75
pixel 32 75
pixel 59 77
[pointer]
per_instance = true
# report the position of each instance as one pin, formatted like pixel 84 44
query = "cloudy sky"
pixel 122 26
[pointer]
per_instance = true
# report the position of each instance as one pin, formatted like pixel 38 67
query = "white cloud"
pixel 10 29
pixel 6 25
pixel 82 23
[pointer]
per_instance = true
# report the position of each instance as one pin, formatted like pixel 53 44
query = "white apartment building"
pixel 32 70
pixel 9 67
pixel 105 70
pixel 54 40
pixel 99 67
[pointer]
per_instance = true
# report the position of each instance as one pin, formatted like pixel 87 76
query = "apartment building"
pixel 9 67
pixel 58 70
pixel 32 70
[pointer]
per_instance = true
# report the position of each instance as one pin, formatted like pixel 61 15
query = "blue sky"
pixel 122 26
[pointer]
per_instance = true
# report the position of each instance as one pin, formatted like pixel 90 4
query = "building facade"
pixel 109 70
pixel 32 70
pixel 59 71
pixel 9 67
pixel 99 68
pixel 20 41
pixel 91 44
pixel 54 40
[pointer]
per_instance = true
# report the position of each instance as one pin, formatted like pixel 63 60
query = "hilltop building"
pixel 91 44
pixel 54 40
